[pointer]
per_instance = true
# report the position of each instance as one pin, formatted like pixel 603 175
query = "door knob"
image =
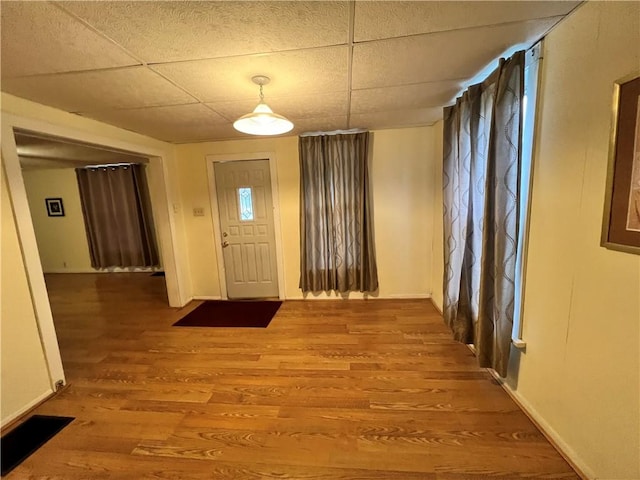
pixel 224 234
pixel 225 244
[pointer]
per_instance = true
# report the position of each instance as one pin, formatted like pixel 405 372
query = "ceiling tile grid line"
pixel 351 40
pixel 413 86
pixel 97 31
pixel 292 73
pixel 127 51
pixel 217 112
pixel 163 32
pixel 384 20
pixel 351 43
pixel 454 30
pixel 352 19
pixel 30 46
pixel 124 49
pixel 181 71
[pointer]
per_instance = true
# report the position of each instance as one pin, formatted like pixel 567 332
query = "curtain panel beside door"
pixel 337 249
pixel 481 178
pixel 117 216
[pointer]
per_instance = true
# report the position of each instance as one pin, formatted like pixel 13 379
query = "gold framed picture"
pixel 621 222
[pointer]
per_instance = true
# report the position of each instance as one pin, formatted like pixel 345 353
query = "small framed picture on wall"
pixel 54 207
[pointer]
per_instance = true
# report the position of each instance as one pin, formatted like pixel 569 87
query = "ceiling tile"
pixel 215 133
pixel 321 105
pixel 170 31
pixel 208 52
pixel 292 73
pixel 39 38
pixel 404 97
pixel 439 56
pixel 320 124
pixel 376 20
pixel 396 118
pixel 175 123
pixel 89 91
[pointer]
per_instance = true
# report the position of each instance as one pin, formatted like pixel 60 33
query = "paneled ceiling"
pixel 181 71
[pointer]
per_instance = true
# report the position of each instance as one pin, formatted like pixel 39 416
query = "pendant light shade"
pixel 262 121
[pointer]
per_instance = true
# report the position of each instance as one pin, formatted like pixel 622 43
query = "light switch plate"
pixel 198 212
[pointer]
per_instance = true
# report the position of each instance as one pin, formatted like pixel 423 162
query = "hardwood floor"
pixel 330 390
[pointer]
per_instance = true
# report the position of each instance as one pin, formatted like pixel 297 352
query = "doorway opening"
pixel 24 141
pixel 90 207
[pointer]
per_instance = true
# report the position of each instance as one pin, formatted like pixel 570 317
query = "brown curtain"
pixel 117 216
pixel 337 248
pixel 482 152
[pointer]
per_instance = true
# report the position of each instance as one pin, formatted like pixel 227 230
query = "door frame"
pixel 160 197
pixel 215 213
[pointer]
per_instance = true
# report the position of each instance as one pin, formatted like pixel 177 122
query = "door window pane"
pixel 246 203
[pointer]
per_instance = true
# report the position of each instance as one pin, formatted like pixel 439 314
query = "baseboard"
pixel 361 296
pixel 324 296
pixel 16 416
pixel 570 455
pixel 408 296
pixel 114 270
pixel 435 305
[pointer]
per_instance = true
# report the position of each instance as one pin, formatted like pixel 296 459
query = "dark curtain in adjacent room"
pixel 117 216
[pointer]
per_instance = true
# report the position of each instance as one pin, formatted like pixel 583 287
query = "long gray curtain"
pixel 117 216
pixel 482 152
pixel 337 248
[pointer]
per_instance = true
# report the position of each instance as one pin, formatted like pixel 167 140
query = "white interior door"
pixel 245 205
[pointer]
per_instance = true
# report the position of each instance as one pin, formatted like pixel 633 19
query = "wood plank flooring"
pixel 330 390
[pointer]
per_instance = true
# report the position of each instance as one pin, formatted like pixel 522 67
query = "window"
pixel 246 204
pixel 482 166
pixel 531 70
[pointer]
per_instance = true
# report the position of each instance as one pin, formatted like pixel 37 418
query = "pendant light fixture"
pixel 262 121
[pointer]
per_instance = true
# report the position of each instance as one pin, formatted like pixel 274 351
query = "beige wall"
pixel 437 252
pixel 62 241
pixel 580 373
pixel 25 378
pixel 402 177
pixel 194 185
pixel 402 174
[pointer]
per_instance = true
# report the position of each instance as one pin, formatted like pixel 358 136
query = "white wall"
pixel 402 177
pixel 581 371
pixel 25 378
